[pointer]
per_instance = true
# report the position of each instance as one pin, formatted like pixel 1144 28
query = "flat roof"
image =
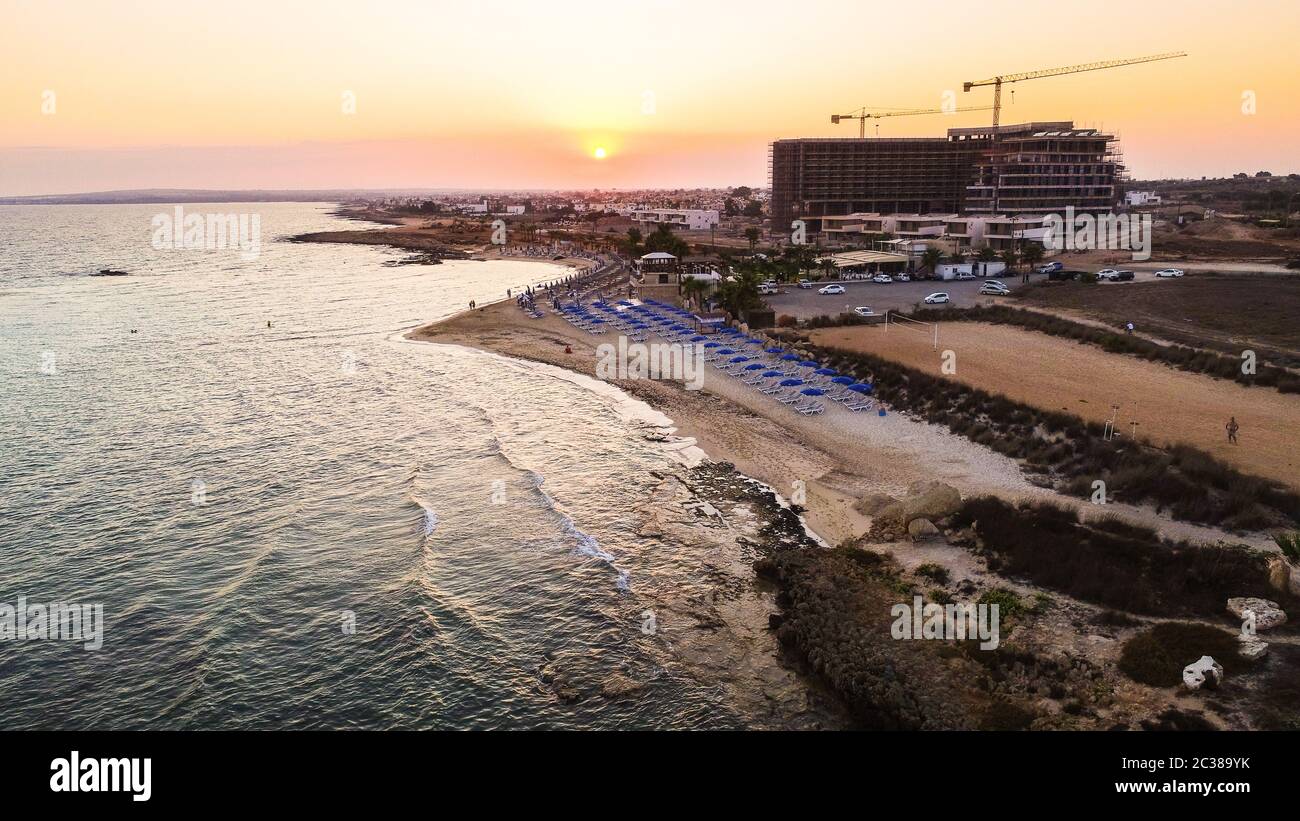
pixel 850 258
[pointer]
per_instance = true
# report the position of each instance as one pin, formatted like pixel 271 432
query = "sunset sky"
pixel 520 94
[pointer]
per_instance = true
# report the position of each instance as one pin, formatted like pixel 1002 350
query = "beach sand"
pixel 839 457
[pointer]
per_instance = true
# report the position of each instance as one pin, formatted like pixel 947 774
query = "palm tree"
pixel 1033 254
pixel 1011 257
pixel 986 254
pixel 752 234
pixel 694 289
pixel 633 241
pixel 931 259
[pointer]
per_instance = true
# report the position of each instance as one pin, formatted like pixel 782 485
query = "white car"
pixel 937 299
pixel 803 283
pixel 994 289
pixel 863 310
pixel 1108 274
pixel 831 289
pixel 902 278
pixel 965 275
pixel 883 279
pixel 1166 273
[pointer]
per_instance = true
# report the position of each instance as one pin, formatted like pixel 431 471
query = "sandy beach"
pixel 839 456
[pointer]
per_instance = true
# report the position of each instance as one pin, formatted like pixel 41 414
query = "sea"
pixel 291 517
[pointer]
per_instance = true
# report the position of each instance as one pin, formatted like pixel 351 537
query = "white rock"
pixel 1251 648
pixel 1267 614
pixel 1203 673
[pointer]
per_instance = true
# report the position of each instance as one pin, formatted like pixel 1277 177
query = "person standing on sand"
pixel 1232 427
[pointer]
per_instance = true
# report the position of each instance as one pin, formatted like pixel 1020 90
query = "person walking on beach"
pixel 1232 427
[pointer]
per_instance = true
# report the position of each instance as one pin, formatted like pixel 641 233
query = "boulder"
pixel 922 530
pixel 1283 576
pixel 1267 614
pixel 1251 648
pixel 932 501
pixel 873 503
pixel 1205 672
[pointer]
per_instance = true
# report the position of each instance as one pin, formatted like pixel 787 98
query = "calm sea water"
pixel 233 493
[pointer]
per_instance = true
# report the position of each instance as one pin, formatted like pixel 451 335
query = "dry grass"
pixel 1058 375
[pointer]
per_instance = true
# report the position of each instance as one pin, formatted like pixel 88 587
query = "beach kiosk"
pixel 660 278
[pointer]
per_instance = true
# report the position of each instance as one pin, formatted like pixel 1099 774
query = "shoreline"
pixel 776 447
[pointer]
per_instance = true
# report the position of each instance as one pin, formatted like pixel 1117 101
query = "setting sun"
pixel 600 153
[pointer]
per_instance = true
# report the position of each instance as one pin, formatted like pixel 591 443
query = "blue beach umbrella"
pixel 807 363
pixel 698 338
pixel 826 372
pixel 770 374
pixel 860 388
pixel 790 383
pixel 739 359
pixel 812 392
pixel 772 350
pixel 712 344
pixel 843 380
pixel 725 351
pixel 790 357
pixel 754 367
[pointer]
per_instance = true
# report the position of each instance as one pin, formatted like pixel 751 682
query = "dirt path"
pixel 1057 374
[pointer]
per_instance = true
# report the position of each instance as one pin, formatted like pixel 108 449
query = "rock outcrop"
pixel 933 500
pixel 1267 614
pixel 922 530
pixel 1203 673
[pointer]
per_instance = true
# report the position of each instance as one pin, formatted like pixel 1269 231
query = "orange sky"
pixel 234 94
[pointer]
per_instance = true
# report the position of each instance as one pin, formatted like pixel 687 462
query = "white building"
pixel 690 219
pixel 1141 198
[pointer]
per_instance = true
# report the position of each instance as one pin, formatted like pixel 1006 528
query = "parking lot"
pixel 895 296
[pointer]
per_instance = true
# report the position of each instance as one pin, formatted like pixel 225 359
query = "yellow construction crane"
pixel 997 82
pixel 862 115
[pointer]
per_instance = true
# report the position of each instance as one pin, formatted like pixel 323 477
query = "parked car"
pixel 1048 268
pixel 994 289
pixel 902 278
pixel 831 289
pixel 965 275
pixel 803 283
pixel 1165 273
pixel 883 279
pixel 765 289
pixel 863 310
pixel 1125 276
pixel 1108 275
pixel 937 298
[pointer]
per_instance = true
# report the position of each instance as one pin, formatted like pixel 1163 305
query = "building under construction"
pixel 1030 168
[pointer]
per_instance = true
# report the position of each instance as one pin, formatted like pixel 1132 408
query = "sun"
pixel 599 152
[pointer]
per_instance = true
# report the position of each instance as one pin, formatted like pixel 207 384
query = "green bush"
pixel 1290 544
pixel 1157 656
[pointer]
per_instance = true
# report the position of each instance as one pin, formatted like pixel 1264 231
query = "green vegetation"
pixel 1131 571
pixel 1290 545
pixel 934 572
pixel 1009 604
pixel 1157 656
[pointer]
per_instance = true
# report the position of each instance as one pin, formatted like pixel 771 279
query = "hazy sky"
pixel 232 94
